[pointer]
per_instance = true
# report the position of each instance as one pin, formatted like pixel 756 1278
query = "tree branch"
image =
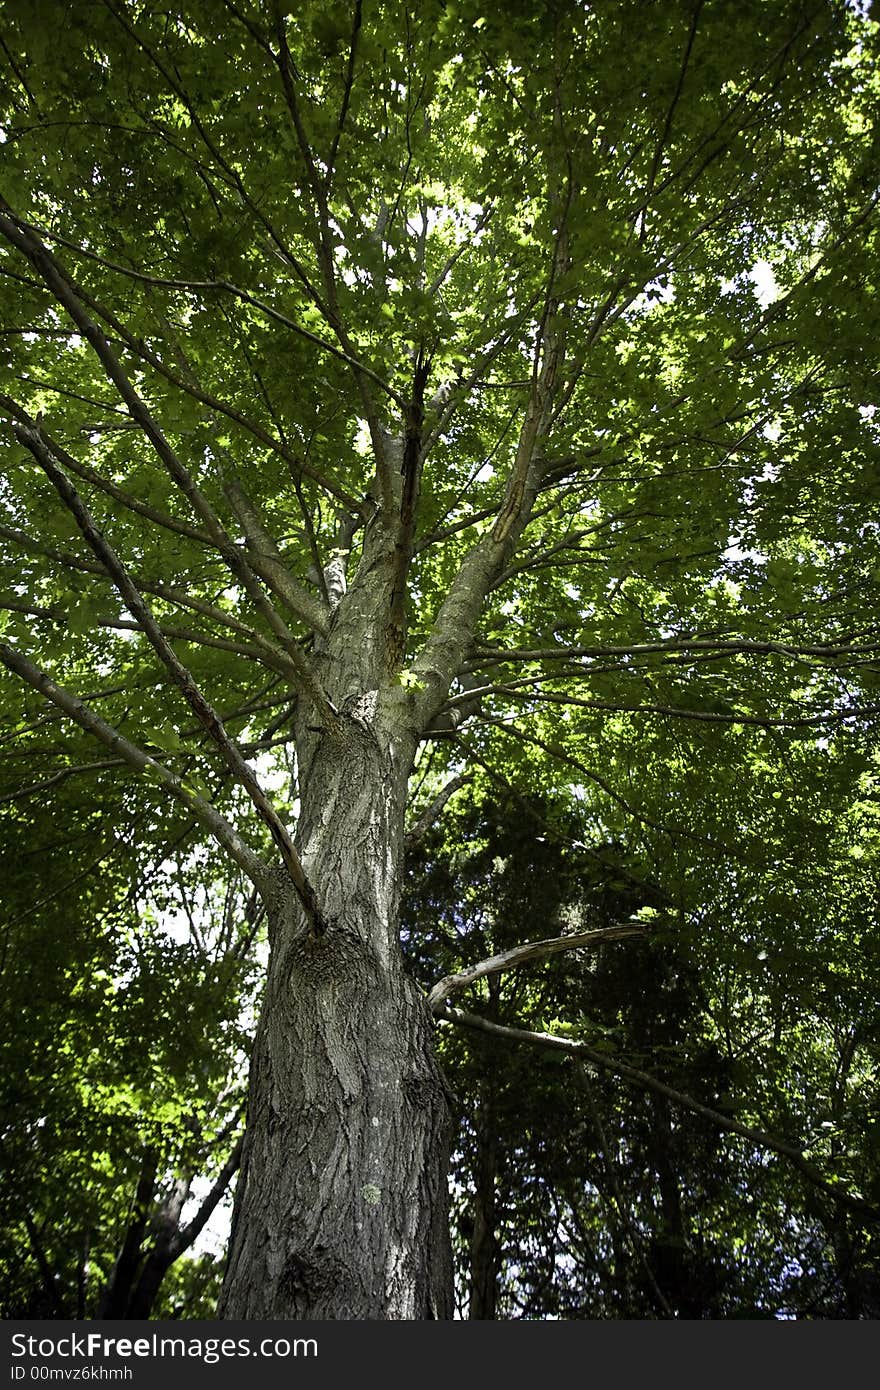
pixel 531 950
pixel 433 810
pixel 686 1102
pixel 357 20
pixel 194 1228
pixel 89 475
pixel 224 286
pixel 554 751
pixel 413 458
pixel 275 661
pixel 203 710
pixel 516 656
pixel 63 289
pixel 271 654
pixel 319 189
pixel 443 653
pixel 827 719
pixel 201 810
pixel 265 558
pixel 47 782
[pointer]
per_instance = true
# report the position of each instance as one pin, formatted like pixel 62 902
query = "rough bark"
pixel 342 1205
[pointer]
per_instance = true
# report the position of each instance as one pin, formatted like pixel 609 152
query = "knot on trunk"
pixel 362 707
pixel 313 1279
pixel 340 960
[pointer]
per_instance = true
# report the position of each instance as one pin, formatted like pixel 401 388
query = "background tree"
pixel 581 1191
pixel 415 388
pixel 124 1050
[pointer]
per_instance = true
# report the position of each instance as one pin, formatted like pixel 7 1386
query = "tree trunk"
pixel 163 1251
pixel 484 1240
pixel 670 1255
pixel 114 1299
pixel 341 1207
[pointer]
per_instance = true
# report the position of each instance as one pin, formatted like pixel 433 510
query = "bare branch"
pixel 433 810
pixel 194 1228
pixel 650 1083
pixel 497 655
pixel 531 950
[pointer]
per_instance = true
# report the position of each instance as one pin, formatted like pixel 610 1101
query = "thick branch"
pixel 200 706
pixel 444 652
pixel 531 950
pixel 266 559
pixel 443 655
pixel 405 540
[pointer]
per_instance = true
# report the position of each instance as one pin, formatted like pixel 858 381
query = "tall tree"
pixel 417 387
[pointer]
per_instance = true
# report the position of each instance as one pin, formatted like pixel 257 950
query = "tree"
pixel 583 1190
pixel 403 388
pixel 123 1077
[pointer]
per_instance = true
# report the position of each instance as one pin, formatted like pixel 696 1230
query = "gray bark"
pixel 341 1208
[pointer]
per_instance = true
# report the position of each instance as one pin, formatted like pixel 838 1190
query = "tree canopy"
pixel 483 403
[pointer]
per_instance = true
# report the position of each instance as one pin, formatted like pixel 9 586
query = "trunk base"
pixel 341 1209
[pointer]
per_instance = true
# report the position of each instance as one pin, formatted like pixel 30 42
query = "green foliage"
pixel 664 217
pixel 119 1041
pixel 605 1199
